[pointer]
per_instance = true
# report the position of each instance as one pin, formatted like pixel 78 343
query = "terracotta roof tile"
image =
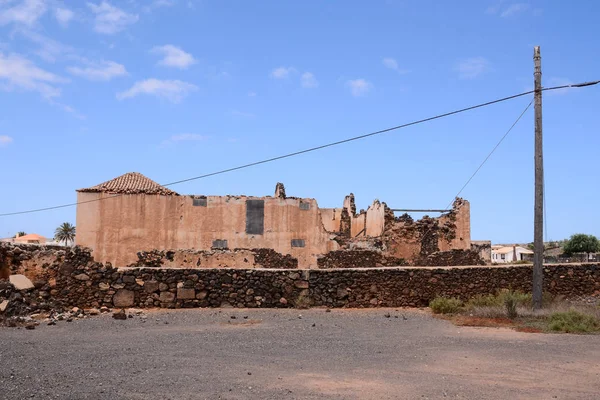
pixel 130 183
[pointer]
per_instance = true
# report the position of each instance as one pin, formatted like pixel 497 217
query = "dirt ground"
pixel 293 354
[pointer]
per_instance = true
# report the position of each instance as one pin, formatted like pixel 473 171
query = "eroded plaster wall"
pixel 117 227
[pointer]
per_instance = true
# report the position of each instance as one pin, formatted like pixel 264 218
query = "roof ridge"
pixel 130 183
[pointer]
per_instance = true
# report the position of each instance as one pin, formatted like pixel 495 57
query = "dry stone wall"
pixel 75 279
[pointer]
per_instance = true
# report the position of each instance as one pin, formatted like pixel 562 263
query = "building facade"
pixel 131 213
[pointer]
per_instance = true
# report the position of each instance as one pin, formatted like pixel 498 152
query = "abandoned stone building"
pixel 127 218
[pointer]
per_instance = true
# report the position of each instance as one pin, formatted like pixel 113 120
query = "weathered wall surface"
pixel 484 248
pixel 118 227
pixel 77 280
pixel 414 240
pixel 211 259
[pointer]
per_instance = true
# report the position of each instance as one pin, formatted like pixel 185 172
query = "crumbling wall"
pixel 435 237
pixel 216 258
pixel 357 259
pixel 450 258
pixel 29 259
pixel 81 281
pixel 484 249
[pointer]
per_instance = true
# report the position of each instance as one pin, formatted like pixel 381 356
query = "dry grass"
pixel 514 310
pixel 444 305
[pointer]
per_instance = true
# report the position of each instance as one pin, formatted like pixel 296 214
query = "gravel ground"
pixel 292 354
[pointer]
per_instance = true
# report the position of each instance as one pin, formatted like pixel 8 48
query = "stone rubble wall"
pixel 216 258
pixel 357 259
pixel 77 280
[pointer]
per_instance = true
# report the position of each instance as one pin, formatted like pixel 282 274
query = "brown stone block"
pixel 185 294
pixel 123 298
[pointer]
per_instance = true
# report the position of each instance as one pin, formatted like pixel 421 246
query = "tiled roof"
pixel 130 183
pixel 31 236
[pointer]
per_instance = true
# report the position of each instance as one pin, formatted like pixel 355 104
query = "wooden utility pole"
pixel 538 216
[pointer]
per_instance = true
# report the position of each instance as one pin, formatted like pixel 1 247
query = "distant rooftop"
pixel 130 183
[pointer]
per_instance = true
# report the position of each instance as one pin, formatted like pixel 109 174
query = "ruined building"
pixel 132 215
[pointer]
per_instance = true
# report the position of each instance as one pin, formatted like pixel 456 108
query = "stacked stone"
pixel 357 259
pixel 269 258
pixel 175 288
pixel 450 258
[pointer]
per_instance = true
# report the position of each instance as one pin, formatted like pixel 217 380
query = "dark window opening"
pixel 304 205
pixel 255 217
pixel 219 244
pixel 200 202
pixel 298 243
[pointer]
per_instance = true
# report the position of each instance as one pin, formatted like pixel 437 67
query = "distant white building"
pixel 509 254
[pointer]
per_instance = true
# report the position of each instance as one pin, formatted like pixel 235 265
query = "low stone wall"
pixel 75 279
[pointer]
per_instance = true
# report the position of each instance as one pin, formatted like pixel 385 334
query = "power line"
pixel 490 153
pixel 319 147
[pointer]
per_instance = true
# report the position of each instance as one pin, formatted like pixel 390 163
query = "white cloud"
pixel 392 64
pixel 282 72
pixel 173 56
pixel 26 12
pixel 102 71
pixel 359 87
pixel 510 10
pixel 49 49
pixel 171 90
pixel 251 94
pixel 159 4
pixel 18 72
pixel 309 80
pixel 63 16
pixel 5 140
pixel 110 19
pixel 514 9
pixel 184 137
pixel 472 67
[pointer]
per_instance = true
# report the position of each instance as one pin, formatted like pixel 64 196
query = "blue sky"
pixel 175 89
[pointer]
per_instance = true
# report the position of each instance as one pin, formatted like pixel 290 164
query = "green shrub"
pixel 488 300
pixel 573 322
pixel 499 299
pixel 511 301
pixel 443 305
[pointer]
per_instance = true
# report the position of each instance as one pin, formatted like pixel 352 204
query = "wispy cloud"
pixel 242 114
pixel 5 140
pixel 48 49
pixel 159 4
pixel 472 67
pixel 510 10
pixel 309 81
pixel 19 73
pixel 282 72
pixel 392 64
pixel 26 12
pixel 110 19
pixel 171 90
pixel 101 71
pixel 514 9
pixel 173 56
pixel 359 87
pixel 183 137
pixel 63 16
pixel 252 94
